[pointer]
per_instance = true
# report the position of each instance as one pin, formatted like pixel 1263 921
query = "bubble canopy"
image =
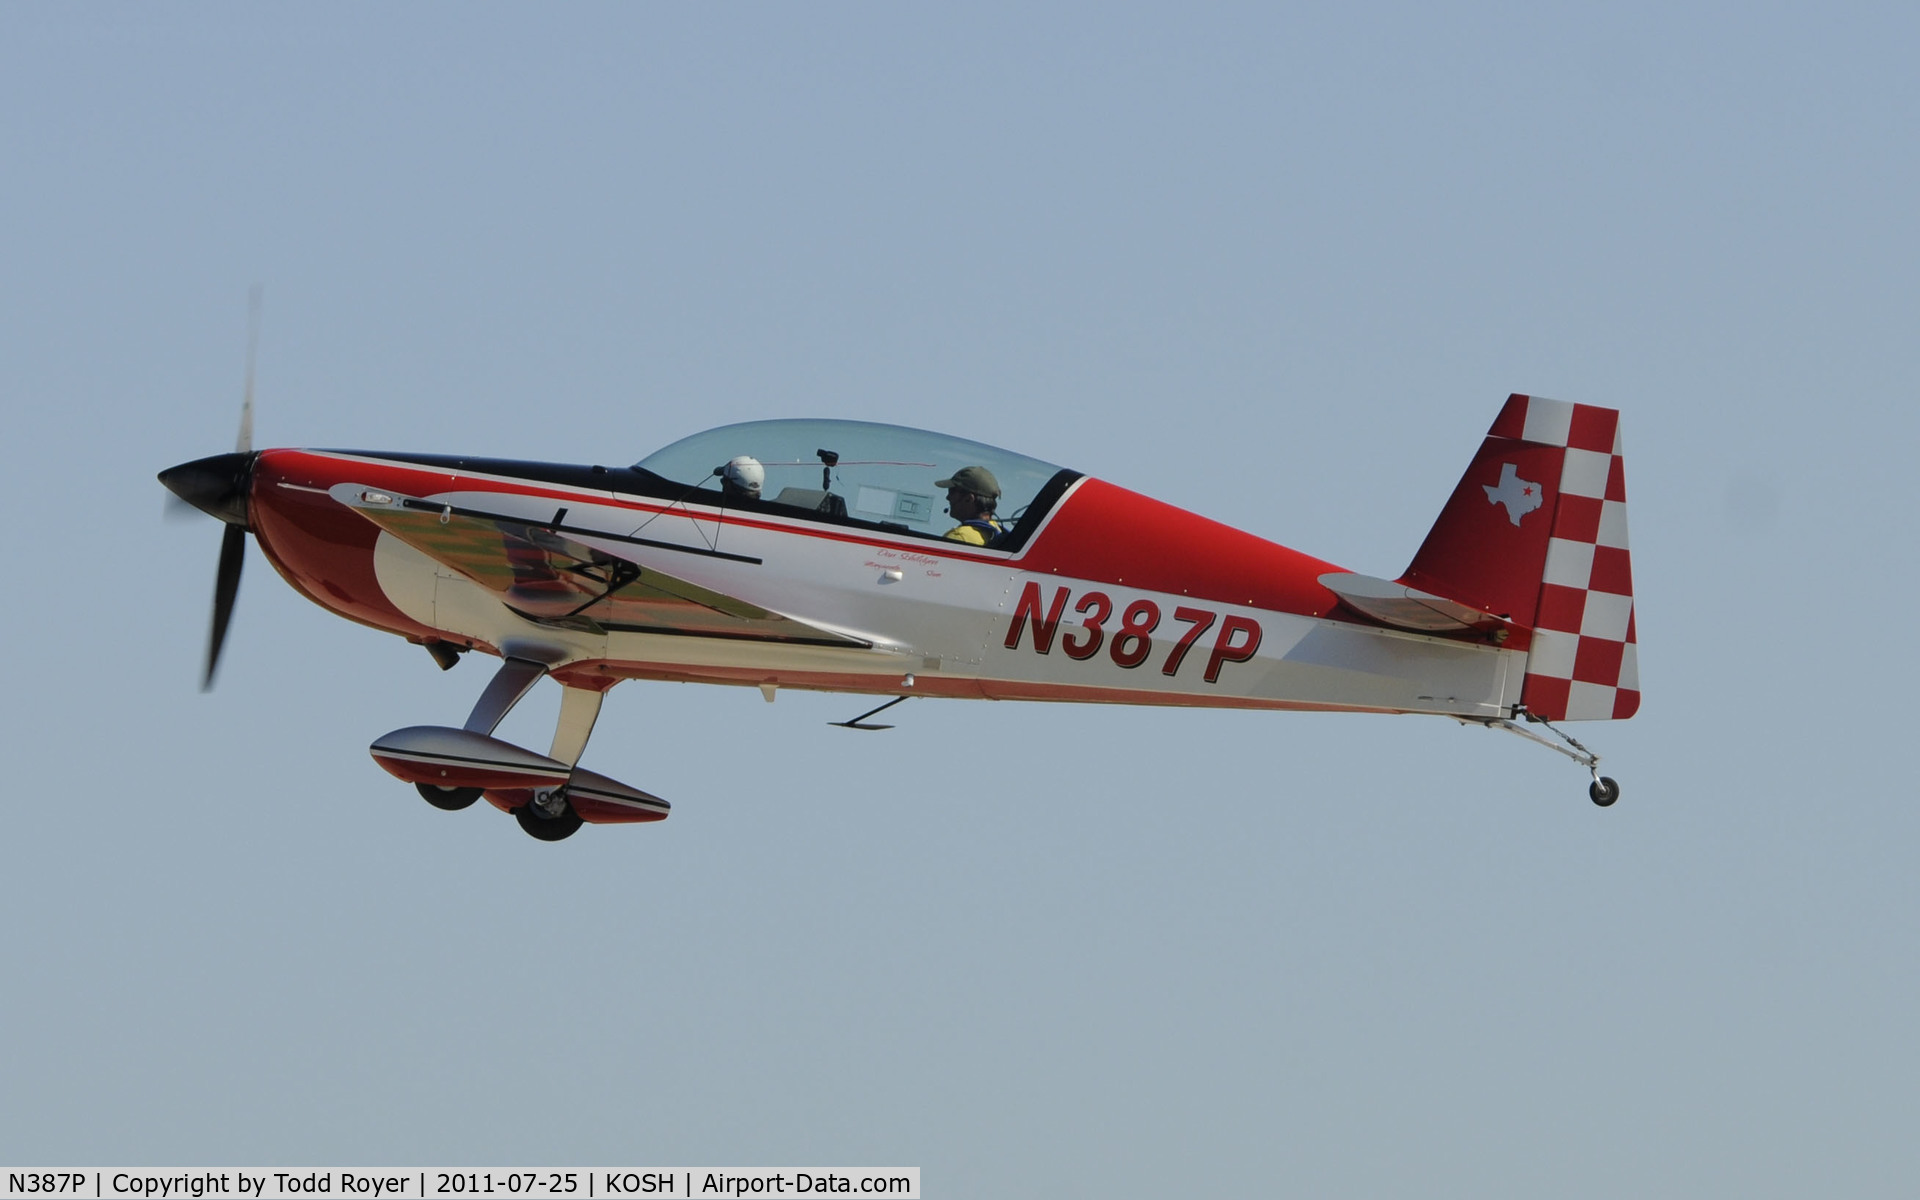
pixel 874 473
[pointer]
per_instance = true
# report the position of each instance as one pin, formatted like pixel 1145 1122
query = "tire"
pixel 1603 791
pixel 450 799
pixel 548 829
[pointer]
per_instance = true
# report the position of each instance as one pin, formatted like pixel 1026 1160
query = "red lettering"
pixel 1224 649
pixel 1201 621
pixel 1131 645
pixel 1043 627
pixel 1091 646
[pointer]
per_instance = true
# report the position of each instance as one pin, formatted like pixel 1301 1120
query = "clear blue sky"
pixel 1277 266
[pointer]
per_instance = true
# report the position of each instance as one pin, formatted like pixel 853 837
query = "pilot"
pixel 742 478
pixel 972 495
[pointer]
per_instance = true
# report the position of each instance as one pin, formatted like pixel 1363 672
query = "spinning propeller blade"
pixel 244 443
pixel 226 585
pixel 219 486
pixel 176 509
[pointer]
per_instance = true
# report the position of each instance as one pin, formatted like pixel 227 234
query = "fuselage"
pixel 1107 595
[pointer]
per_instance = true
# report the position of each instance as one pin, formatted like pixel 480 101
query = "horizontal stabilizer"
pixel 1404 607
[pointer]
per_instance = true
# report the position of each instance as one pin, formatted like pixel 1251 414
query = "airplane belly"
pixel 1361 667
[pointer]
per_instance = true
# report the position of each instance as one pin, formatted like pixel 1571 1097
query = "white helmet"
pixel 745 474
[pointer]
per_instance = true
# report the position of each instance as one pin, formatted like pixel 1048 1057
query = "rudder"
pixel 1536 531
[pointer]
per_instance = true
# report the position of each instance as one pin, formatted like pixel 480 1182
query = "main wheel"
pixel 451 799
pixel 1603 791
pixel 547 829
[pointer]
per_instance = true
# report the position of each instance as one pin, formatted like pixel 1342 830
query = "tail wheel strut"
pixel 1603 791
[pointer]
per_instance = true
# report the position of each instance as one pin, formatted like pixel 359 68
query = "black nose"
pixel 217 486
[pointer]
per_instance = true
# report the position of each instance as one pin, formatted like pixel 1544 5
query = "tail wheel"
pixel 450 799
pixel 1603 791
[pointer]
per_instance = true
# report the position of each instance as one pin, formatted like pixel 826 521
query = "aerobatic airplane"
pixel 819 554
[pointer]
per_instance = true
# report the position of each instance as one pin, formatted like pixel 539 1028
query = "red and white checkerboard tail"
pixel 1536 532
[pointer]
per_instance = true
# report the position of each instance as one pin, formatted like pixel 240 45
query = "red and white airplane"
pixel 819 561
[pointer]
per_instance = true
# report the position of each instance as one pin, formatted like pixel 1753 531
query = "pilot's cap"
pixel 745 473
pixel 977 480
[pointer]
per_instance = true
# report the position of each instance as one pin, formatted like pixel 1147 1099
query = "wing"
pixel 562 575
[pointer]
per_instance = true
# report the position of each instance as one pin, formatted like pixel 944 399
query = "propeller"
pixel 220 486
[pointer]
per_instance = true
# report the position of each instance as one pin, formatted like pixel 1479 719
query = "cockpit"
pixel 855 473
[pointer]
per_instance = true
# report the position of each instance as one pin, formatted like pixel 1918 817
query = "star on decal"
pixel 1520 496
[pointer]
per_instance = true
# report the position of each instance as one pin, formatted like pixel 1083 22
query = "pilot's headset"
pixel 743 476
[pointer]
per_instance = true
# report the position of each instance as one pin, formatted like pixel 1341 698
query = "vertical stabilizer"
pixel 1536 532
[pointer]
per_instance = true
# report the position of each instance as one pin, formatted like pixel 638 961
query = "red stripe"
pixel 599 812
pixel 319 469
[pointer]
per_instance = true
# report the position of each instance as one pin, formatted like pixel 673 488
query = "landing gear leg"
pixel 513 680
pixel 550 816
pixel 579 709
pixel 1602 791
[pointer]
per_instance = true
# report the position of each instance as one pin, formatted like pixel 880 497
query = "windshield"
pixel 870 472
